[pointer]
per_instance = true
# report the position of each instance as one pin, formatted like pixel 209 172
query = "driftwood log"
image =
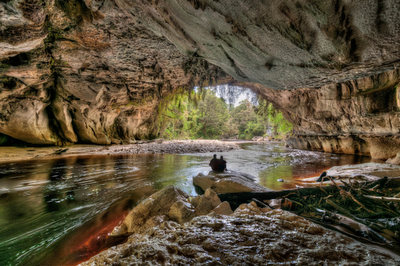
pixel 245 196
pixel 382 198
pixel 307 191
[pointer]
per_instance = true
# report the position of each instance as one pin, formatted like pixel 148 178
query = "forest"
pixel 202 115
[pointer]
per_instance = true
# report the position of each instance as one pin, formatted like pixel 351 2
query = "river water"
pixel 59 211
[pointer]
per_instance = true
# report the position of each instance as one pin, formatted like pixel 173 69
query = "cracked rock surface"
pixel 250 236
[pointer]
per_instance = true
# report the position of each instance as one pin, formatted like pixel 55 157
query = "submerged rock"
pixel 228 182
pixel 250 236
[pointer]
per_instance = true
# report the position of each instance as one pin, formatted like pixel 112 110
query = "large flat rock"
pixel 228 182
pixel 358 172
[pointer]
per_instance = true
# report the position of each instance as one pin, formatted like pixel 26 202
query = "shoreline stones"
pixel 154 147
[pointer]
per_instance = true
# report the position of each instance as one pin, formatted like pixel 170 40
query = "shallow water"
pixel 58 211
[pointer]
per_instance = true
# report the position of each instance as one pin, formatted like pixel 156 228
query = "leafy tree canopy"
pixel 202 114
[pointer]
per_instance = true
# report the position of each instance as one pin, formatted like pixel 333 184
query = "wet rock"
pixel 227 182
pixel 251 236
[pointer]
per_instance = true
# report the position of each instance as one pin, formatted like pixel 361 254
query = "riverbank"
pixel 10 154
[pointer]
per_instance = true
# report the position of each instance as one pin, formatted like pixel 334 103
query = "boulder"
pixel 223 209
pixel 204 204
pixel 395 160
pixel 181 212
pixel 228 182
pixel 251 209
pixel 154 210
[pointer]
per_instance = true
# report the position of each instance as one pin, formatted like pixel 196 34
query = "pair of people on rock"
pixel 218 164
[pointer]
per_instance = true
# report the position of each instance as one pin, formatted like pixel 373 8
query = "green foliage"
pixel 280 126
pixel 201 114
pixel 3 138
pixel 4 65
pixel 7 83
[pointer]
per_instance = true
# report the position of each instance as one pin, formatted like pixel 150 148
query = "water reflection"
pixel 53 209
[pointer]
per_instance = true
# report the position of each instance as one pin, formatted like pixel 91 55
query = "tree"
pixel 213 116
pixel 184 116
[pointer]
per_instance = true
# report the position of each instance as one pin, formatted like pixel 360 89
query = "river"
pixel 58 211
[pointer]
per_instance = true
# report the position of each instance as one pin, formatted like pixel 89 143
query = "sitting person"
pixel 214 163
pixel 221 164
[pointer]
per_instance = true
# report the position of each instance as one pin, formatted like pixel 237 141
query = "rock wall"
pixel 96 71
pixel 355 117
pixel 88 72
pixel 284 44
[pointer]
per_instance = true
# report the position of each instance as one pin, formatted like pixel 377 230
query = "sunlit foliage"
pixel 201 114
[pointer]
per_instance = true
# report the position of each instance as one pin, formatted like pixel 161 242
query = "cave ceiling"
pixel 95 71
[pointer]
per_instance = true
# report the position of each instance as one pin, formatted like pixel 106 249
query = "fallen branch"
pixel 342 210
pixel 382 198
pixel 380 182
pixel 343 192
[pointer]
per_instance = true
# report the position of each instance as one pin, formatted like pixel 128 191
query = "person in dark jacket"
pixel 214 163
pixel 221 164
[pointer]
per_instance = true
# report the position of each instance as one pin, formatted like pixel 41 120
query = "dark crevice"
pixel 76 9
pixel 20 59
pixel 237 70
pixel 54 125
pixel 6 140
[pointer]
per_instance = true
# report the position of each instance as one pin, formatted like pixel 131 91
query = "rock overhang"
pixel 103 68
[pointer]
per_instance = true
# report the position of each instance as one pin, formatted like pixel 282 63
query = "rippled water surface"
pixel 57 211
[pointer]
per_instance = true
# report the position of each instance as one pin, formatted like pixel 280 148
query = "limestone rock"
pixel 365 172
pixel 359 172
pixel 251 236
pixel 181 212
pixel 223 209
pixel 204 204
pixel 227 182
pixel 152 211
pixel 353 117
pixel 395 160
pixel 98 72
pixel 250 209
